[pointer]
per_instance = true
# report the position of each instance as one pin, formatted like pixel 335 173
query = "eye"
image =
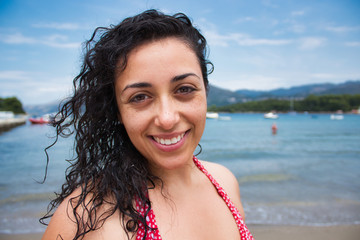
pixel 139 98
pixel 185 90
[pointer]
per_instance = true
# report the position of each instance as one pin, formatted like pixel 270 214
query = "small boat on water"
pixel 212 115
pixel 225 118
pixel 336 117
pixel 45 119
pixel 215 115
pixel 271 115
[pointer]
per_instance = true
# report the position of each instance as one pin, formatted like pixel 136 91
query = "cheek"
pixel 197 111
pixel 133 130
pixel 129 120
pixel 135 123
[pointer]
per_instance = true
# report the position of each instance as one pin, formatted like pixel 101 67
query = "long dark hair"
pixel 107 165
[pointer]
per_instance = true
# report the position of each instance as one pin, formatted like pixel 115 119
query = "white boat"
pixel 212 115
pixel 336 117
pixel 225 118
pixel 271 115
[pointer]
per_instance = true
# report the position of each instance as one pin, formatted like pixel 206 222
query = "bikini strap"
pixel 244 232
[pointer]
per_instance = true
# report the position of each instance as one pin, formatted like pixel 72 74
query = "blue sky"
pixel 259 44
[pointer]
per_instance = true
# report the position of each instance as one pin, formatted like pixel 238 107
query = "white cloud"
pixel 343 29
pixel 334 77
pixel 309 43
pixel 323 76
pixel 16 38
pixel 254 42
pixel 297 13
pixel 269 3
pixel 241 39
pixel 58 26
pixel 57 41
pixel 215 39
pixel 62 45
pixel 51 90
pixel 269 81
pixel 57 37
pixel 14 75
pixel 297 28
pixel 352 44
pixel 250 81
pixel 245 19
pixel 34 87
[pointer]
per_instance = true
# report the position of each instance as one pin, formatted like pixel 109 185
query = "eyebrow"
pixel 183 76
pixel 147 85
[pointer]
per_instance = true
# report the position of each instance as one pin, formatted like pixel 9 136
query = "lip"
pixel 171 147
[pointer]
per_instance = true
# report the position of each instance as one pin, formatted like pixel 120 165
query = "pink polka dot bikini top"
pixel 153 232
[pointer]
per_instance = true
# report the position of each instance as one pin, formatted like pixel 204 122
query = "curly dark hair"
pixel 107 165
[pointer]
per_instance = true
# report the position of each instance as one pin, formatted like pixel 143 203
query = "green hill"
pixel 11 104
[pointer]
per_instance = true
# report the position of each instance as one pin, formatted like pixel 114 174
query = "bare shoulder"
pixel 224 177
pixel 63 224
pixel 227 181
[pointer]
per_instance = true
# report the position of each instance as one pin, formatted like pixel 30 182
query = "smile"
pixel 170 141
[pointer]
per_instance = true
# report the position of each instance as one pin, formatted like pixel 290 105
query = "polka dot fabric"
pixel 244 231
pixel 153 232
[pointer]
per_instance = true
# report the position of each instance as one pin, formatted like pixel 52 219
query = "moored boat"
pixel 336 117
pixel 45 119
pixel 212 115
pixel 271 115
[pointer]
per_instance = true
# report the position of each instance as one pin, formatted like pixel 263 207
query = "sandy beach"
pixel 343 232
pixel 266 232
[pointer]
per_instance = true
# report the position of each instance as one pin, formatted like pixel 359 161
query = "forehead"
pixel 169 46
pixel 161 58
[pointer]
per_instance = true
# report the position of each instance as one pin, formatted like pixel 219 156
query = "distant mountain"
pixel 41 109
pixel 220 97
pixel 349 87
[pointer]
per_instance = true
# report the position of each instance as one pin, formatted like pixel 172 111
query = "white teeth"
pixel 169 141
pixel 173 140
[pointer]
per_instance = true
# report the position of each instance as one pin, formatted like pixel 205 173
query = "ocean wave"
pixel 31 197
pixel 304 213
pixel 21 225
pixel 269 177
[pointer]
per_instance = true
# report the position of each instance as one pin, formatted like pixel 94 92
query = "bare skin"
pixel 189 214
pixel 162 88
pixel 193 209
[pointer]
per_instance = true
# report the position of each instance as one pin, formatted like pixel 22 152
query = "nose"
pixel 167 114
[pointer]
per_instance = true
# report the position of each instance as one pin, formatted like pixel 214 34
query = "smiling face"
pixel 162 102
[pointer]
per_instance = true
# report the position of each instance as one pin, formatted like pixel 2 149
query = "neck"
pixel 177 178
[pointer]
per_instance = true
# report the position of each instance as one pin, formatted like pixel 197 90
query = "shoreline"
pixel 282 232
pixel 289 112
pixel 7 124
pixel 265 232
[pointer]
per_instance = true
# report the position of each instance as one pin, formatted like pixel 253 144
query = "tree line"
pixel 312 103
pixel 11 104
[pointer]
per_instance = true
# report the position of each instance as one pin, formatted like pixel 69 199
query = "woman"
pixel 138 112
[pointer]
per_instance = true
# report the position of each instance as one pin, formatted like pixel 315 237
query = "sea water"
pixel 306 174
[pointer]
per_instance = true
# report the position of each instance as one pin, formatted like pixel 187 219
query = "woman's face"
pixel 162 102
